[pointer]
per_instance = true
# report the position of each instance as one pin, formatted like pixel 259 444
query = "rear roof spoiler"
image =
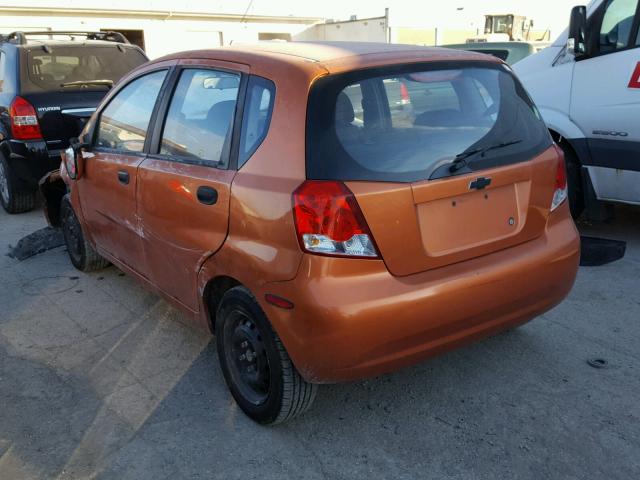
pixel 20 38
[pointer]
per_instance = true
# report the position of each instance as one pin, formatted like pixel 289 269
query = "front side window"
pixel 257 116
pixel 124 122
pixel 415 121
pixel 199 122
pixel 617 23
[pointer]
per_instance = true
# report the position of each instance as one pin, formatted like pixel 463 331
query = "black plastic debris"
pixel 37 242
pixel 597 362
pixel 600 251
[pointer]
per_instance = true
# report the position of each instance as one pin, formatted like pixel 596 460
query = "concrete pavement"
pixel 101 379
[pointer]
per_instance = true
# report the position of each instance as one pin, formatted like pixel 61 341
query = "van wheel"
pixel 258 371
pixel 13 200
pixel 574 181
pixel 81 253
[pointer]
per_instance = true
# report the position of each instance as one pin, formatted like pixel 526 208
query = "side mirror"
pixel 72 162
pixel 576 42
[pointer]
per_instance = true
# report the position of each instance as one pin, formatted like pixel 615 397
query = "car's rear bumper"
pixel 353 319
pixel 31 160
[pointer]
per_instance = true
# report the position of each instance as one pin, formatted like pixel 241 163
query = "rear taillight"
pixel 24 121
pixel 405 99
pixel 329 221
pixel 560 188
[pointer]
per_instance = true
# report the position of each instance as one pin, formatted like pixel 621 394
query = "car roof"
pixel 36 42
pixel 328 51
pixel 334 56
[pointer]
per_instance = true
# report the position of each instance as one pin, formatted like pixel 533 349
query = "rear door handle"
pixel 207 195
pixel 123 177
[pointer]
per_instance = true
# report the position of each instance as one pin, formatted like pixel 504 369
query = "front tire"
pixel 81 253
pixel 258 371
pixel 574 181
pixel 12 199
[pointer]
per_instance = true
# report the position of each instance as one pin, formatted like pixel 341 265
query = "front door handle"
pixel 207 195
pixel 123 177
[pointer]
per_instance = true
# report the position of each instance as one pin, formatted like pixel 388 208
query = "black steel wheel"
pixel 258 371
pixel 246 356
pixel 12 199
pixel 81 253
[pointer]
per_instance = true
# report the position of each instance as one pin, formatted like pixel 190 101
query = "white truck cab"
pixel 587 87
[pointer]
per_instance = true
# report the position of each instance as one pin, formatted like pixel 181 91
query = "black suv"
pixel 50 84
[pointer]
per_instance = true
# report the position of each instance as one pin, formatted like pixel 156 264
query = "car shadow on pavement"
pixel 102 379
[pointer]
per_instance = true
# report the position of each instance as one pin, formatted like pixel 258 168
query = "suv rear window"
pixel 408 123
pixel 68 67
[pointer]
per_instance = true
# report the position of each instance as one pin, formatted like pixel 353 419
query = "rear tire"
pixel 81 253
pixel 574 181
pixel 12 199
pixel 258 371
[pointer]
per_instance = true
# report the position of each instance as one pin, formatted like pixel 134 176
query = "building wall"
pixel 163 34
pixel 364 30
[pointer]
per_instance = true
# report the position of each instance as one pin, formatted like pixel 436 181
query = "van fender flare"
pixel 561 124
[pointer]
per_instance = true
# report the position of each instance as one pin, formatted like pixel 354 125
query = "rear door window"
pixel 414 121
pixel 199 122
pixel 124 122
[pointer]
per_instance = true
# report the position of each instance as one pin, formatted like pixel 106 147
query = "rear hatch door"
pixel 430 224
pixel 447 160
pixel 65 81
pixel 62 115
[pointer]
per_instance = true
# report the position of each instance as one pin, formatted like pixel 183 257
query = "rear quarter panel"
pixel 261 245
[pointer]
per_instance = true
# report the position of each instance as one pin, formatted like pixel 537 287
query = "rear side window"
pixel 257 116
pixel 124 122
pixel 200 117
pixel 73 68
pixel 2 65
pixel 412 121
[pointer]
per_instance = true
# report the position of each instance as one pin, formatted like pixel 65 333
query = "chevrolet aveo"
pixel 331 211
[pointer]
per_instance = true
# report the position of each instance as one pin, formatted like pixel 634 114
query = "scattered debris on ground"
pixel 596 251
pixel 37 242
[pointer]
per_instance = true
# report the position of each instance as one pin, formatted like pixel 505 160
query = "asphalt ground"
pixel 102 379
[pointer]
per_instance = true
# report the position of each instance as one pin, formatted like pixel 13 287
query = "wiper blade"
pixel 82 83
pixel 460 160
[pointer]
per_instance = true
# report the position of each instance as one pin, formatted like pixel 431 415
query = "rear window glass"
pixel 409 123
pixel 72 68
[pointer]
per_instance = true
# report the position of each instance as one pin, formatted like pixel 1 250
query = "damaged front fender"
pixel 52 187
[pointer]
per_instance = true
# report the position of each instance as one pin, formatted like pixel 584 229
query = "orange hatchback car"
pixel 331 211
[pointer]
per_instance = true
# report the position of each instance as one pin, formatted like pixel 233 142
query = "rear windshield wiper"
pixel 83 83
pixel 461 159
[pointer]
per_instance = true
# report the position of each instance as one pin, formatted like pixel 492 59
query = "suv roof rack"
pixel 21 37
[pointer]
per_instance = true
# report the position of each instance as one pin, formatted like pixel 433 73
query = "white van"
pixel 587 87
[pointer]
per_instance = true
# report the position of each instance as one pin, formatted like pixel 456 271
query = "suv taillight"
pixel 24 121
pixel 329 221
pixel 560 189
